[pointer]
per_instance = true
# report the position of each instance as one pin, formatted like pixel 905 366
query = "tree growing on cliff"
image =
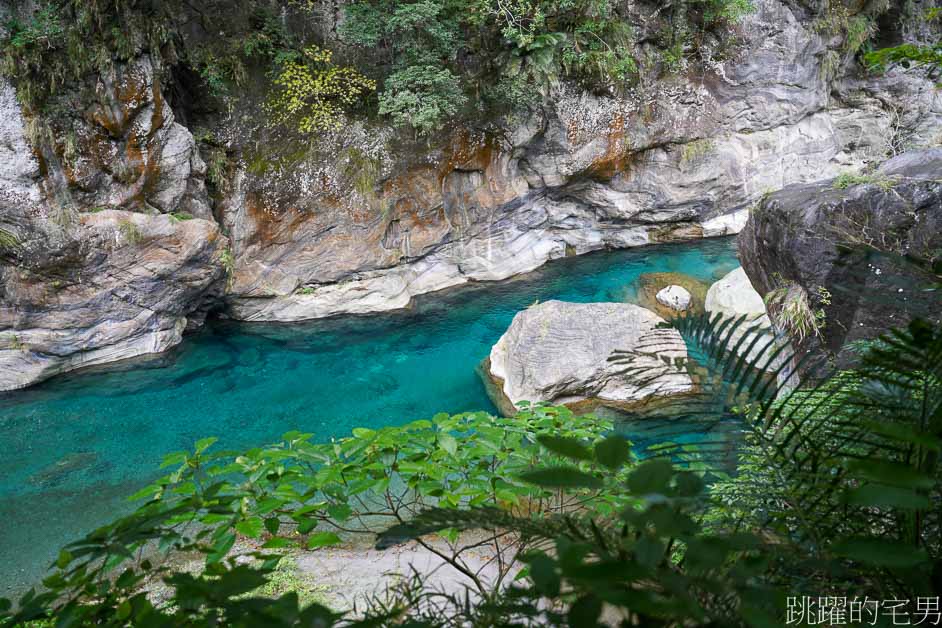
pixel 312 93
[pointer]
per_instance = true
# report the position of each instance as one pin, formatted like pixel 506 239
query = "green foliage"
pixel 9 243
pixel 312 94
pixel 130 232
pixel 693 151
pixel 423 97
pixel 791 307
pixel 65 39
pixel 297 494
pixel 850 179
pixel 905 55
pixel 13 341
pixel 286 578
pixel 227 260
pixel 837 495
pixel 908 54
pixel 438 53
pixel 44 29
pixel 223 61
pixel 360 170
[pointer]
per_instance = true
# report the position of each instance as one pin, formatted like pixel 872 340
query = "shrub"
pixel 312 94
pixel 423 97
pixel 849 179
pixel 130 231
pixel 298 494
pixel 837 495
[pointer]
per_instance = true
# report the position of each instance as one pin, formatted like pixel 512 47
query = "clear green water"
pixel 74 447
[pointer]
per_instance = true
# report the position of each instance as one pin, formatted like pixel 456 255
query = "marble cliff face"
pixel 114 245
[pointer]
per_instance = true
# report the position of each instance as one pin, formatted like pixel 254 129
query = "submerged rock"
pixel 850 256
pixel 674 297
pixel 559 352
pixel 650 285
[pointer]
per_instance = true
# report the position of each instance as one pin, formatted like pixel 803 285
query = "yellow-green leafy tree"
pixel 312 94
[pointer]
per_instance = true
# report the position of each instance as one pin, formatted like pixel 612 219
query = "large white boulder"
pixel 559 352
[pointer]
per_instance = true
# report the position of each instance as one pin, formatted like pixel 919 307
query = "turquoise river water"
pixel 75 447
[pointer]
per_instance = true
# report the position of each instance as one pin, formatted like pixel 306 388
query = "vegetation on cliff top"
pixel 432 59
pixel 421 63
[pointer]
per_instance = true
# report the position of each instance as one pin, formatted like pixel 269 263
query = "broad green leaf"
pixel 278 543
pixel 887 496
pixel 339 512
pixel 613 452
pixel 251 528
pixel 124 610
pixel 879 552
pixel 448 443
pixel 205 443
pixel 891 473
pixel 322 539
pixel 145 493
pixel 272 524
pixel 306 525
pixel 585 611
pixel 544 575
pixel 565 447
pixel 220 548
pixel 561 477
pixel 652 476
pixel 177 457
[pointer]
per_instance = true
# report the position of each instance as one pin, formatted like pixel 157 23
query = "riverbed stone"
pixel 559 352
pixel 674 297
pixel 645 289
pixel 733 296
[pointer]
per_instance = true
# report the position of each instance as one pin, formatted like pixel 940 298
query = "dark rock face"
pixel 859 257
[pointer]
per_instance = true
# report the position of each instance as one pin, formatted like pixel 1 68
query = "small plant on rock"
pixel 130 232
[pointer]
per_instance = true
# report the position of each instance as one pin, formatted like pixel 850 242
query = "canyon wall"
pixel 112 244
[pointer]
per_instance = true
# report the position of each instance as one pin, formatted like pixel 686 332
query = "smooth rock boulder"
pixel 854 251
pixel 674 297
pixel 734 297
pixel 559 352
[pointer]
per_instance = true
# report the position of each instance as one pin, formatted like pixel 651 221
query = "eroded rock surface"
pixel 676 159
pixel 843 252
pixel 559 352
pixel 128 285
pixel 365 219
